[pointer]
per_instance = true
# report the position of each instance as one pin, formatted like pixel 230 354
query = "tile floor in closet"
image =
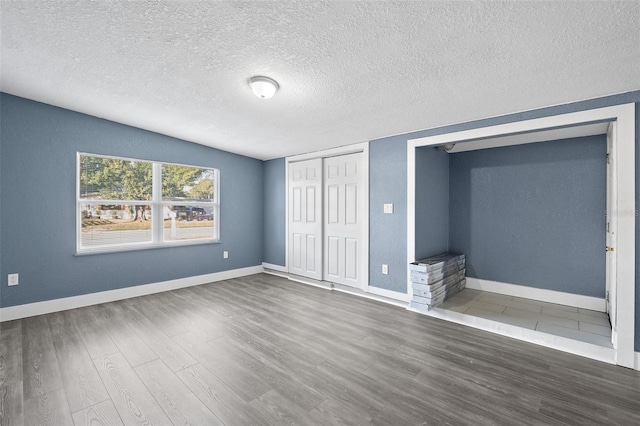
pixel 560 320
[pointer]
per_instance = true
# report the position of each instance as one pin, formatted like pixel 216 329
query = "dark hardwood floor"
pixel 263 350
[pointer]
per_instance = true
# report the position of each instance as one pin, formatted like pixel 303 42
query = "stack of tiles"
pixel 435 279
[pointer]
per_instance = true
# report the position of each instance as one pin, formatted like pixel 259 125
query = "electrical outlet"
pixel 13 279
pixel 225 254
pixel 388 208
pixel 385 269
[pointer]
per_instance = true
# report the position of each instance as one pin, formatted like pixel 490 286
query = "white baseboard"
pixel 390 294
pixel 274 267
pixel 374 293
pixel 561 298
pixel 369 295
pixel 307 281
pixel 637 366
pixel 49 306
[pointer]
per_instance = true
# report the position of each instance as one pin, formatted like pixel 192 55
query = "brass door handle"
pixel 608 248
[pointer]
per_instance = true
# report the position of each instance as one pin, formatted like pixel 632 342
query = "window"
pixel 127 204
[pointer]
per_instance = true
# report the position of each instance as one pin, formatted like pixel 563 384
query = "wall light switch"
pixel 225 254
pixel 385 269
pixel 388 208
pixel 12 279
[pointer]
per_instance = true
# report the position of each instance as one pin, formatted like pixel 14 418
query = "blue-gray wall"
pixel 532 214
pixel 395 147
pixel 44 139
pixel 388 232
pixel 431 202
pixel 388 184
pixel 38 175
pixel 274 188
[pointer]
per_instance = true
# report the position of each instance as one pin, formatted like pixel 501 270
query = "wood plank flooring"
pixel 263 350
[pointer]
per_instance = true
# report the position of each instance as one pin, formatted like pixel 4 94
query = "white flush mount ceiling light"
pixel 263 87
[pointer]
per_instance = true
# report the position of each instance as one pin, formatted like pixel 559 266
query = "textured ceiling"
pixel 348 71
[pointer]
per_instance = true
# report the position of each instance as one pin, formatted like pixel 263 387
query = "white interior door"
pixel 343 219
pixel 611 232
pixel 305 218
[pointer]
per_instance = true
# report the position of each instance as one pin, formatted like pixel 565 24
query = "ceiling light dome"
pixel 263 87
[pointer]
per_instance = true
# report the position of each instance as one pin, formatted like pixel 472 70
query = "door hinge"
pixel 607 295
pixel 608 248
pixel 607 226
pixel 607 158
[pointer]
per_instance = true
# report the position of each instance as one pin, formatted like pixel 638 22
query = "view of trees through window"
pixel 117 205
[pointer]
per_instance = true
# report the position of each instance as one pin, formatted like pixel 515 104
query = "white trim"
pixel 564 344
pixel 308 281
pixel 389 294
pixel 276 273
pixel 625 160
pixel 371 296
pixel 533 137
pixel 274 267
pixel 156 203
pixel 333 152
pixel 286 215
pixel 378 294
pixel 342 150
pixel 365 217
pixel 611 230
pixel 56 305
pixel 611 113
pixel 559 297
pixel 157 219
pixel 637 366
pixel 624 118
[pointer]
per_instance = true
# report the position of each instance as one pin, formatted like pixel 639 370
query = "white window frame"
pixel 157 207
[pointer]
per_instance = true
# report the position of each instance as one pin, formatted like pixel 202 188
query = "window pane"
pixel 117 197
pixel 184 183
pixel 187 222
pixel 115 179
pixel 114 225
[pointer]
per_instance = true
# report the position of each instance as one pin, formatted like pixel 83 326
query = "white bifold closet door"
pixel 343 216
pixel 326 214
pixel 305 218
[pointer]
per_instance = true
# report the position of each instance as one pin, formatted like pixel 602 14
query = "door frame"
pixel 611 237
pixel 334 152
pixel 622 118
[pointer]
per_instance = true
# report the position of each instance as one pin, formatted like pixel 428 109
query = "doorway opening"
pixel 618 123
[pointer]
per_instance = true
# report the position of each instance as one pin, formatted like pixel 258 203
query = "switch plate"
pixel 12 279
pixel 388 208
pixel 225 254
pixel 385 269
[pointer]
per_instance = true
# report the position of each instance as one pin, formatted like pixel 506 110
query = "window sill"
pixel 140 247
